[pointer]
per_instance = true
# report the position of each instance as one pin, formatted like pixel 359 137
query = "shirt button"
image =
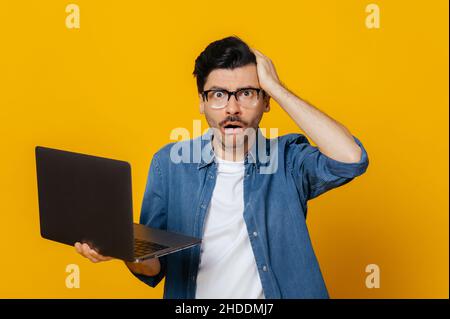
pixel 264 268
pixel 255 234
pixel 203 206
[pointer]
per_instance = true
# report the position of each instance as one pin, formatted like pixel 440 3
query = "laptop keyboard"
pixel 142 247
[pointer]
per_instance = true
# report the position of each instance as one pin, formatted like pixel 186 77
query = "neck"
pixel 236 153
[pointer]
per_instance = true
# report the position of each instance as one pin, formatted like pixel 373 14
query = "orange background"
pixel 117 86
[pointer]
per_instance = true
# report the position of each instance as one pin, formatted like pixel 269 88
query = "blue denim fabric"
pixel 275 206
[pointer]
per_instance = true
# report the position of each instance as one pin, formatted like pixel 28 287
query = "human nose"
pixel 232 106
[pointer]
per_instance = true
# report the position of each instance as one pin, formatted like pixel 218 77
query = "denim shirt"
pixel 177 196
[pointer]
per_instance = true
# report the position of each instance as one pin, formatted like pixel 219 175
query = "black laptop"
pixel 88 199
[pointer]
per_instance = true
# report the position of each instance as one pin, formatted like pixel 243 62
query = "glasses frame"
pixel 230 94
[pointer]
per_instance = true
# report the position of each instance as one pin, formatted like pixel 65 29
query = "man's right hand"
pixel 148 267
pixel 90 253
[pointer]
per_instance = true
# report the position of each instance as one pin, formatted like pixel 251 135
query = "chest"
pixel 266 200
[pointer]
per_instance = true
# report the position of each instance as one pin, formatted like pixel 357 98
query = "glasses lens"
pixel 217 99
pixel 248 97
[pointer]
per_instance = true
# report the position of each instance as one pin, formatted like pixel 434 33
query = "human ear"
pixel 201 104
pixel 267 101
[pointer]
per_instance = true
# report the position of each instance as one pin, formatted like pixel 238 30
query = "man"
pixel 249 213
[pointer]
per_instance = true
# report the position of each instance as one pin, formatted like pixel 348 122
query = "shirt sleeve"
pixel 154 214
pixel 315 173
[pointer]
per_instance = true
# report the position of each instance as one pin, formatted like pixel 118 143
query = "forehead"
pixel 233 79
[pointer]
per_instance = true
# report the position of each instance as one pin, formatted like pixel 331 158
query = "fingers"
pixel 89 253
pixel 99 257
pixel 254 51
pixel 257 53
pixel 78 247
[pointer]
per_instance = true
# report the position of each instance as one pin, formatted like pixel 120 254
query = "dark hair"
pixel 227 53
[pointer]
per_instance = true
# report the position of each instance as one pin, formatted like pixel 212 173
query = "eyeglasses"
pixel 218 98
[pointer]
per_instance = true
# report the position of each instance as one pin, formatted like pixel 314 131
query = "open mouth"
pixel 233 128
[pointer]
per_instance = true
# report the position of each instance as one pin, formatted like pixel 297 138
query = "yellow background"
pixel 118 86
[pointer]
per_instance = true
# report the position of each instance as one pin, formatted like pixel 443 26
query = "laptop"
pixel 88 199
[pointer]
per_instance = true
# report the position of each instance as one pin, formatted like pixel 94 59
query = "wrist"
pixel 276 91
pixel 148 267
pixel 272 87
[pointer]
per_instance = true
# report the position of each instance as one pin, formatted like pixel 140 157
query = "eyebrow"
pixel 223 89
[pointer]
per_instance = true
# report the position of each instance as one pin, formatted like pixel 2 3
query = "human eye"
pixel 218 94
pixel 247 93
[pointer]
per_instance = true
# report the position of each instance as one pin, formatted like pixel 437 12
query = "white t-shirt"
pixel 227 264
